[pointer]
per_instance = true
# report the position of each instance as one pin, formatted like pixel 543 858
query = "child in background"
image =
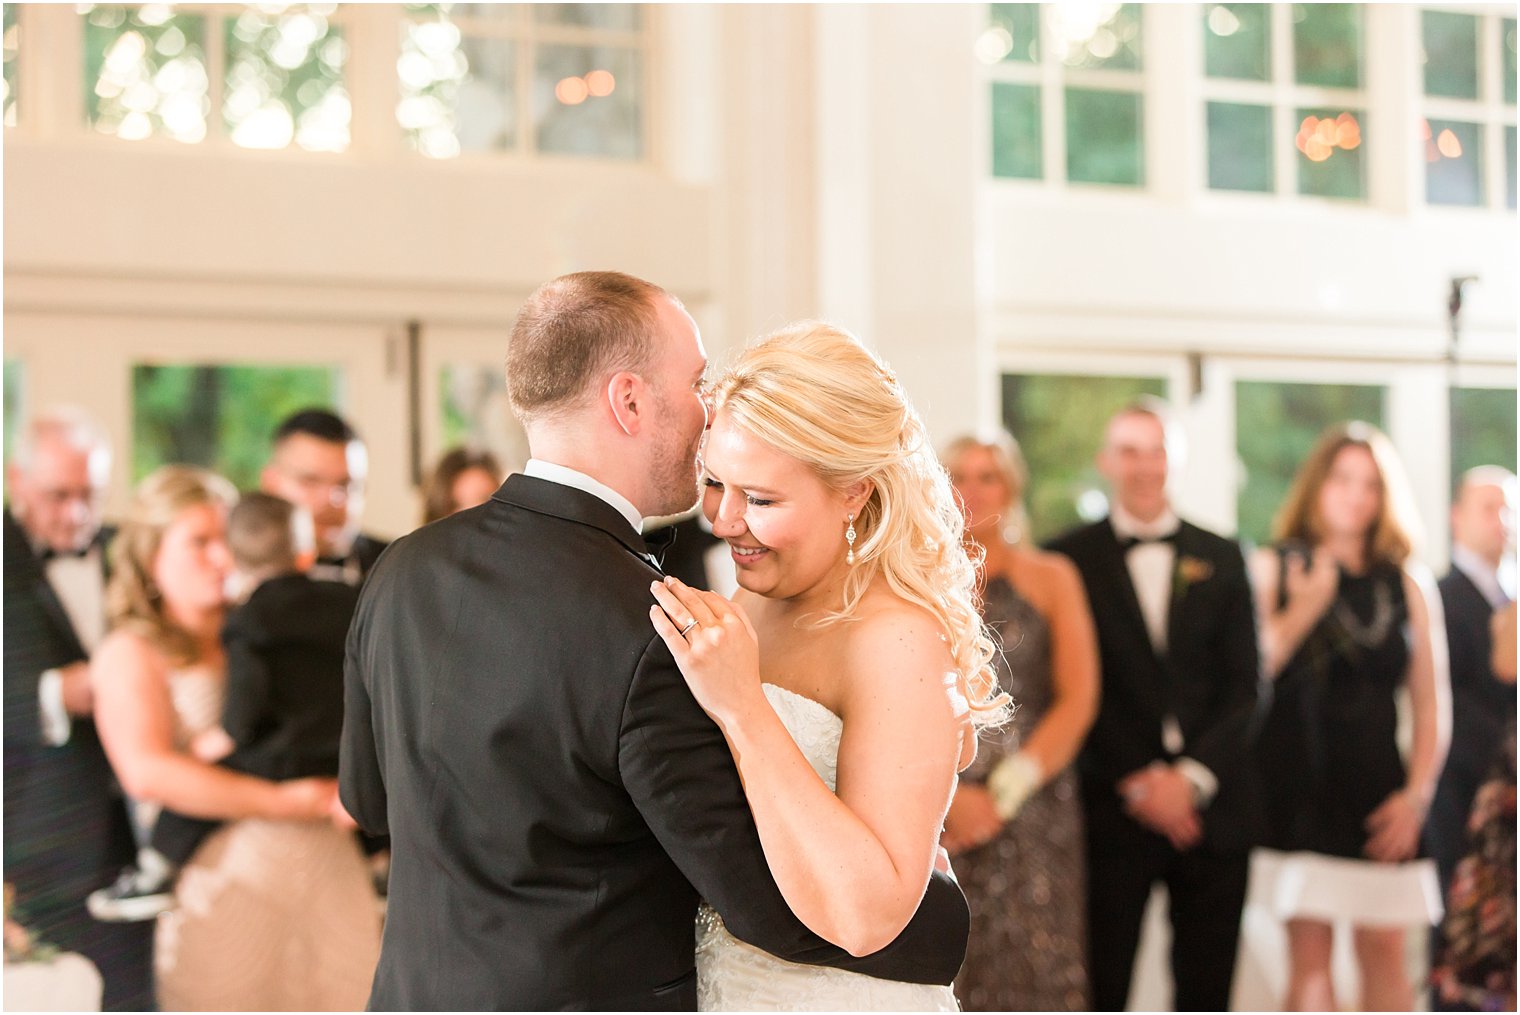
pixel 283 713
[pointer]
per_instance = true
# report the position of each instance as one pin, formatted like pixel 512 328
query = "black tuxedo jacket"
pixel 66 825
pixel 556 799
pixel 1482 707
pixel 285 649
pixel 1209 676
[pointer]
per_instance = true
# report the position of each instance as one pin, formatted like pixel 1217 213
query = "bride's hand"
pixel 713 643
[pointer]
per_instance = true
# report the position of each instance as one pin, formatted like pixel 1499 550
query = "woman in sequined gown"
pixel 1345 626
pixel 275 911
pixel 1015 825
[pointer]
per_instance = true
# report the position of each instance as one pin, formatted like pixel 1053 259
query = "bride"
pixel 850 671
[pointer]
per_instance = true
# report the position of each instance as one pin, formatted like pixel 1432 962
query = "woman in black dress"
pixel 1344 627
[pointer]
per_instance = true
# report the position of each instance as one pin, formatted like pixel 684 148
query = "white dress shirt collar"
pixel 1127 525
pixel 1481 573
pixel 565 476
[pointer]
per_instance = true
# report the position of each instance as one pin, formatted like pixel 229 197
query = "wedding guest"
pixel 275 909
pixel 1166 779
pixel 1475 970
pixel 1345 626
pixel 283 710
pixel 1015 822
pixel 67 830
pixel 319 462
pixel 1482 705
pixel 463 478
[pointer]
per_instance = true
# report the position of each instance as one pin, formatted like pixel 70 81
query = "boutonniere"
pixel 1190 571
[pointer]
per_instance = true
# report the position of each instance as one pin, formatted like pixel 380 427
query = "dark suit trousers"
pixel 1207 890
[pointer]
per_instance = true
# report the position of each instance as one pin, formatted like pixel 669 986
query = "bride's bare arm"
pixel 852 866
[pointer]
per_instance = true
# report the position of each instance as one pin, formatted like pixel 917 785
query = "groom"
pixel 556 799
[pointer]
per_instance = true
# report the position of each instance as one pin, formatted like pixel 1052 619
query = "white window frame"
pixel 52 346
pixel 51 101
pixel 1053 77
pixel 1284 96
pixel 1489 111
pixel 529 33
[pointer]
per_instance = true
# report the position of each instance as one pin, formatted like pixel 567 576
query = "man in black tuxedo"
pixel 1482 707
pixel 319 463
pixel 556 799
pixel 1166 778
pixel 67 830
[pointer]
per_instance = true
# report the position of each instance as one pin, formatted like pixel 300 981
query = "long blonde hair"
pixel 1008 459
pixel 133 600
pixel 813 392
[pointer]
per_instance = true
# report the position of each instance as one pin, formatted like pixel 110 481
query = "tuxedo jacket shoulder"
pixel 555 797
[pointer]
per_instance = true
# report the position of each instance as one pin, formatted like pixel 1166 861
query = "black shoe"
pixel 134 897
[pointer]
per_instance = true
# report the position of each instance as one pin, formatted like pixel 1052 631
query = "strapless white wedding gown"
pixel 734 976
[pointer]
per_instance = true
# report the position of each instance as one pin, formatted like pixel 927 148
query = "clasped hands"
pixel 1161 798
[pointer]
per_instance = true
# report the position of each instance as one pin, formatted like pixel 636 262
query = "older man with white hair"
pixel 67 830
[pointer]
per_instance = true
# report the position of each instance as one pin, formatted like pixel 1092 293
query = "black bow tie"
pixel 657 544
pixel 1128 543
pixel 51 554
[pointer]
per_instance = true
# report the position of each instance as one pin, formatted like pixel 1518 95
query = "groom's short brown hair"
pixel 575 329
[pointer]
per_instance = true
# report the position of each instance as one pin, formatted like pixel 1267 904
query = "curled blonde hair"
pixel 814 393
pixel 133 600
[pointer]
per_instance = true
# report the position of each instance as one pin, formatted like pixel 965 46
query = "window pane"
pixel 476 412
pixel 12 41
pixel 1509 162
pixel 145 73
pixel 1453 162
pixel 1507 51
pixel 617 17
pixel 1017 150
pixel 1240 147
pixel 1096 35
pixel 1021 25
pixel 1058 420
pixel 1236 41
pixel 285 81
pixel 586 101
pixel 1329 146
pixel 1482 429
pixel 1451 54
pixel 220 417
pixel 1327 45
pixel 1276 424
pixel 457 93
pixel 1103 137
pixel 14 380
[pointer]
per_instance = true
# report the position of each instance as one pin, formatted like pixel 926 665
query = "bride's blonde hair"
pixel 813 392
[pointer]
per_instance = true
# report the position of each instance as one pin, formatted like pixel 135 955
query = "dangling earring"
pixel 849 539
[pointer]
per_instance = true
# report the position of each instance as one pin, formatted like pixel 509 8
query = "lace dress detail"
pixel 734 976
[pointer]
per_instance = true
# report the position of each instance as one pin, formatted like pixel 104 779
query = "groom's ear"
pixel 628 399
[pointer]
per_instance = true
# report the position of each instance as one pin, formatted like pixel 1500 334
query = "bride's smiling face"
pixel 784 526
